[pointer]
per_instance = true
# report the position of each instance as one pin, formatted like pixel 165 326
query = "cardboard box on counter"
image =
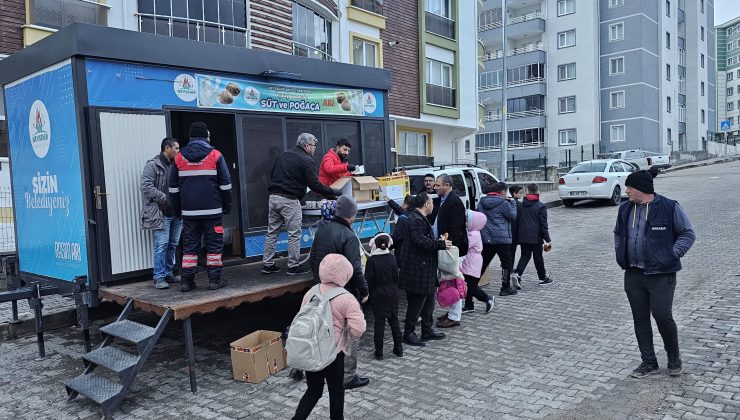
pixel 360 188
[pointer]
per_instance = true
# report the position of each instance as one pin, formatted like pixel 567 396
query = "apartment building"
pixel 430 46
pixel 728 75
pixel 588 76
pixel 12 18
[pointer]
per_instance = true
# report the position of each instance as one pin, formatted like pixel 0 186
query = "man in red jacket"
pixel 334 164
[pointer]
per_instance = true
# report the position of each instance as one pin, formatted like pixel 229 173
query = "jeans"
pixel 165 244
pixel 286 211
pixel 333 375
pixel 529 250
pixel 419 304
pixel 652 295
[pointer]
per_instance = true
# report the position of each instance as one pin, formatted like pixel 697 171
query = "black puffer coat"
pixel 337 237
pixel 381 273
pixel 418 273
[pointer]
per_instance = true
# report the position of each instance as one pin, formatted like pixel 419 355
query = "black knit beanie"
pixel 641 181
pixel 198 129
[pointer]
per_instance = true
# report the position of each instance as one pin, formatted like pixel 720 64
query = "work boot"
pixel 213 285
pixel 171 278
pixel 187 283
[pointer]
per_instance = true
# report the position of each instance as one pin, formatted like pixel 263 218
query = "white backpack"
pixel 311 345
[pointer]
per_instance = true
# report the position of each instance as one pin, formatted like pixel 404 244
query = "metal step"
pixel 112 358
pixel 94 387
pixel 130 331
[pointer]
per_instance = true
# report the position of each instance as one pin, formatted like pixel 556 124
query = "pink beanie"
pixel 335 268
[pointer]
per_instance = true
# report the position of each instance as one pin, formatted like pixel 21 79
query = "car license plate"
pixel 576 193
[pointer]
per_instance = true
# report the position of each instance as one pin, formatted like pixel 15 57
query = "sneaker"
pixel 489 305
pixel 516 281
pixel 294 271
pixel 644 370
pixel 546 280
pixel 269 269
pixel 356 382
pixel 468 309
pixel 507 291
pixel 675 368
pixel 171 278
pixel 161 284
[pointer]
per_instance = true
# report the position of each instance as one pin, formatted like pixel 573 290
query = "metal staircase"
pixel 107 392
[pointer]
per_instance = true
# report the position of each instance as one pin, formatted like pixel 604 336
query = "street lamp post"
pixel 504 116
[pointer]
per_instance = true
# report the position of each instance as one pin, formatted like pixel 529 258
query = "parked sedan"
pixel 601 179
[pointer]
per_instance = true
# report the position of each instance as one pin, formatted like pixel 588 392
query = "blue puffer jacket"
pixel 500 214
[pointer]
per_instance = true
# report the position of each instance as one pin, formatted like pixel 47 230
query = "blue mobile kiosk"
pixel 88 106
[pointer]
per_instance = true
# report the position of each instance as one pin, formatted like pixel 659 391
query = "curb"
pixel 701 163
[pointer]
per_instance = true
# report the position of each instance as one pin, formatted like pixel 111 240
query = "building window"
pixel 702 117
pixel 526 73
pixel 668 104
pixel 668 72
pixel 702 61
pixel 702 33
pixel 438 18
pixel 311 34
pixel 567 137
pixel 729 46
pixel 566 71
pixel 364 53
pixel 730 106
pixel 732 121
pixel 567 105
pixel 668 40
pixel 412 143
pixel 617 133
pixel 439 89
pixel 56 14
pixel 616 99
pixel 738 73
pixel 375 6
pixel 668 8
pixel 467 146
pixel 701 4
pixel 616 32
pixel 220 23
pixel 566 7
pixel 616 3
pixel 616 65
pixel 567 38
pixel 730 61
pixel 702 88
pixel 730 91
pixel 669 137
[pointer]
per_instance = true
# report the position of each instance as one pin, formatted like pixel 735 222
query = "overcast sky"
pixel 725 10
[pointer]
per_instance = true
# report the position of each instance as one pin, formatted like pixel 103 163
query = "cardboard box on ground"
pixel 360 188
pixel 257 356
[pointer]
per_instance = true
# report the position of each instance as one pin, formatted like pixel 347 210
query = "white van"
pixel 470 182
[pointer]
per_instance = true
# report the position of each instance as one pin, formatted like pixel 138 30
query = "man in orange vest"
pixel 334 164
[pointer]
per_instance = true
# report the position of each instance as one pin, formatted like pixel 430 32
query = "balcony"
pixel 495 145
pixel 373 6
pixel 441 95
pixel 303 50
pixel 498 54
pixel 496 86
pixel 196 30
pixel 439 25
pixel 497 116
pixel 530 24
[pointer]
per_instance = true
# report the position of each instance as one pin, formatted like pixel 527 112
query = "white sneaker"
pixel 516 281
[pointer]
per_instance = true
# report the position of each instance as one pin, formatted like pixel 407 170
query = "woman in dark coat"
pixel 418 273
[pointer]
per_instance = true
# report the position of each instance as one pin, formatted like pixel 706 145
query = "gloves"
pixel 336 193
pixel 351 168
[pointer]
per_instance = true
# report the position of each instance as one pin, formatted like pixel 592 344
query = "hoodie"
pixel 500 213
pixel 533 227
pixel 473 262
pixel 200 184
pixel 335 271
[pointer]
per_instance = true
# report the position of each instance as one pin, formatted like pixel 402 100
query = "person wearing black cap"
pixel 200 191
pixel 651 235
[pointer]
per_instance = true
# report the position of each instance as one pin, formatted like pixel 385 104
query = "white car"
pixel 601 179
pixel 470 182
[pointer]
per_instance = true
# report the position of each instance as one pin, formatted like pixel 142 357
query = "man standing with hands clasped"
pixel 651 235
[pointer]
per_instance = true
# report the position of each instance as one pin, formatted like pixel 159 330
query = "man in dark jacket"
pixel 337 237
pixel 500 212
pixel 157 215
pixel 532 231
pixel 418 272
pixel 200 190
pixel 651 235
pixel 399 231
pixel 429 188
pixel 294 170
pixel 451 218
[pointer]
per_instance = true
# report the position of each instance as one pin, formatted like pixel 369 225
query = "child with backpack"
pixel 324 303
pixel 473 263
pixel 381 273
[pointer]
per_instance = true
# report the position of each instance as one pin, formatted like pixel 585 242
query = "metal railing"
pixel 512 21
pixel 374 6
pixel 495 55
pixel 497 146
pixel 514 115
pixel 303 50
pixel 200 27
pixel 439 25
pixel 512 83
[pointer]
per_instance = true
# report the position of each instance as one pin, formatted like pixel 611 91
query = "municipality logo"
pixel 369 103
pixel 39 128
pixel 251 95
pixel 185 87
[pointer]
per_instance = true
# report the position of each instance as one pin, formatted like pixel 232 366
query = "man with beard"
pixel 334 164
